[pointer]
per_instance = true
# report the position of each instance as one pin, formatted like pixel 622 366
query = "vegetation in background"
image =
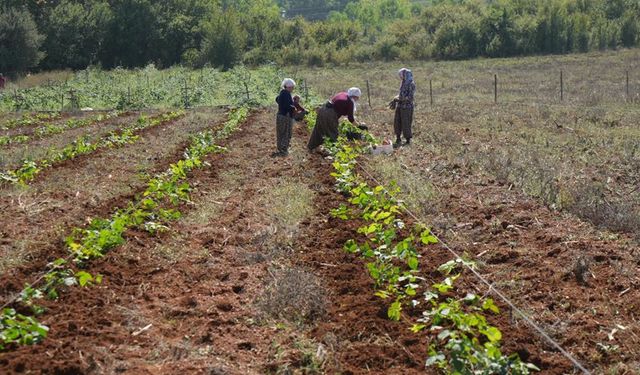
pixel 135 33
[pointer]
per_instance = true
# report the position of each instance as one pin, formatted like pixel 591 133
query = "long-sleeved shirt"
pixel 344 106
pixel 407 89
pixel 285 103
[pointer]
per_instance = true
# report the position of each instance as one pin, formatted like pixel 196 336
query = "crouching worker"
pixel 284 118
pixel 342 104
pixel 300 110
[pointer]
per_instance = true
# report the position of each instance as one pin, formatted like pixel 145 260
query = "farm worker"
pixel 342 104
pixel 2 81
pixel 404 107
pixel 300 111
pixel 284 118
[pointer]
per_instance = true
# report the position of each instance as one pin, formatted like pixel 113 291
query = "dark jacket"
pixel 285 103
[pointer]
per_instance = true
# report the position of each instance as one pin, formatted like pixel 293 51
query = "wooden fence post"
pixel 431 92
pixel 495 88
pixel 561 86
pixel 306 90
pixel 627 87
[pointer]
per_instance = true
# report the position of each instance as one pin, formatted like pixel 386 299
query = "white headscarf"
pixel 405 74
pixel 288 82
pixel 354 91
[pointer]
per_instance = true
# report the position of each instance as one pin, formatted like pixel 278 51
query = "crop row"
pixel 82 146
pixel 152 211
pixel 465 343
pixel 29 119
pixel 50 128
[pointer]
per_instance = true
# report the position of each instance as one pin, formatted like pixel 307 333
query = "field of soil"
pixel 253 277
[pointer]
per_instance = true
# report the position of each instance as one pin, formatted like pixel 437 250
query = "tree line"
pixel 61 34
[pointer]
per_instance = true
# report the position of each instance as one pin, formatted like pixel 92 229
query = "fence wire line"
pixel 506 300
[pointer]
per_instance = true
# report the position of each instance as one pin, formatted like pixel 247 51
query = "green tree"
pixel 178 28
pixel 75 34
pixel 20 42
pixel 224 39
pixel 132 35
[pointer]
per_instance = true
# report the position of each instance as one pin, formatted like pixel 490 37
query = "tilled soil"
pixel 11 156
pixel 579 284
pixel 185 300
pixel 35 219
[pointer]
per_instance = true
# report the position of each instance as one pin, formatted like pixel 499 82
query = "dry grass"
pixel 558 152
pixel 289 203
pixel 420 195
pixel 42 79
pixel 294 295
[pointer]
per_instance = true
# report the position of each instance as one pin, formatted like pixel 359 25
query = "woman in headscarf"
pixel 341 104
pixel 404 107
pixel 284 118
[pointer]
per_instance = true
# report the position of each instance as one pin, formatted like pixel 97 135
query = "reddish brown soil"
pixel 12 156
pixel 194 288
pixel 28 129
pixel 36 219
pixel 530 252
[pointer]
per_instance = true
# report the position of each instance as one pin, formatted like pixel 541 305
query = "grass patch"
pixel 294 295
pixel 419 194
pixel 289 203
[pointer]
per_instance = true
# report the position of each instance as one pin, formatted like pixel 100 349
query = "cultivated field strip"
pixel 27 120
pixel 159 192
pixel 151 211
pixel 12 156
pixel 576 280
pixel 36 217
pixel 82 146
pixel 49 129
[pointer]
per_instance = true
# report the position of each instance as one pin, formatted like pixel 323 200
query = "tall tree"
pixel 131 35
pixel 224 39
pixel 20 42
pixel 75 34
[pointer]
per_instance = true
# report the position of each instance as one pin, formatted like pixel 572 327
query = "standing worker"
pixel 404 108
pixel 2 81
pixel 284 118
pixel 342 104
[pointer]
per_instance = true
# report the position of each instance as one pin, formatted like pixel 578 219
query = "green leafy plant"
pixel 19 329
pixel 466 343
pixel 81 146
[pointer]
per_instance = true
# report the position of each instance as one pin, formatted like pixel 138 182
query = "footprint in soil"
pixel 238 289
pixel 245 345
pixel 224 306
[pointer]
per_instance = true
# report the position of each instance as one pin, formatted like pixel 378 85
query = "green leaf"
pixel 412 262
pixel 417 328
pixel 488 304
pixel 493 334
pixel 394 311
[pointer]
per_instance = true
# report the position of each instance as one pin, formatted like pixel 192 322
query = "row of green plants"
pixel 462 340
pixel 51 128
pixel 151 211
pixel 82 146
pixel 29 119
